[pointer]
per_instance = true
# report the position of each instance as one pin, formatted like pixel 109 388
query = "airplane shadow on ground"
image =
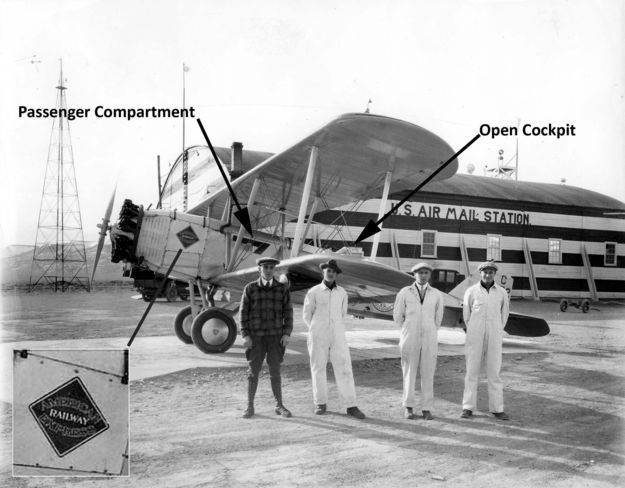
pixel 544 433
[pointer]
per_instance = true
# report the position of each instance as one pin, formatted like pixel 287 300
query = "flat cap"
pixel 488 264
pixel 332 265
pixel 267 260
pixel 419 266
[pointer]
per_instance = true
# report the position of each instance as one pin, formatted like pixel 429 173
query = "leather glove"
pixel 285 340
pixel 247 342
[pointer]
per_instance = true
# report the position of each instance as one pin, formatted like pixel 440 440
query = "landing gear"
pixel 213 330
pixel 182 325
pixel 171 291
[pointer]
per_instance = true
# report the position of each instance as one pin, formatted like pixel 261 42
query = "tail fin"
pixel 503 280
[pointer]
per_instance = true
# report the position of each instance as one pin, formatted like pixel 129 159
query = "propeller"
pixel 104 227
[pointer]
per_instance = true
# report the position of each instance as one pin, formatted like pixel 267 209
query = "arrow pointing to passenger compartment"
pixel 374 227
pixel 242 213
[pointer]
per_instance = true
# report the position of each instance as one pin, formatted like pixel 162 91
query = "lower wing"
pixel 368 283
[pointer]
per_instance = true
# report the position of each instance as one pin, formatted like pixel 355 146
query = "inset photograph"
pixel 70 412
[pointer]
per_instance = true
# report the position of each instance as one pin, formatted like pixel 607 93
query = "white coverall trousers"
pixel 485 314
pixel 418 344
pixel 324 311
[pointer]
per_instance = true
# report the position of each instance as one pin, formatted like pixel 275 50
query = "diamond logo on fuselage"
pixel 68 416
pixel 187 237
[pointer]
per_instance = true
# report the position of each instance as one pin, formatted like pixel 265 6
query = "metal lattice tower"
pixel 59 257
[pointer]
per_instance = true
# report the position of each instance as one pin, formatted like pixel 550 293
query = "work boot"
pixel 408 413
pixel 501 415
pixel 320 409
pixel 276 388
pixel 427 415
pixel 252 385
pixel 355 412
pixel 282 410
pixel 466 414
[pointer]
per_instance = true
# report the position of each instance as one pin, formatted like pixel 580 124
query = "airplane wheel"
pixel 171 293
pixel 585 306
pixel 213 330
pixel 182 325
pixel 564 305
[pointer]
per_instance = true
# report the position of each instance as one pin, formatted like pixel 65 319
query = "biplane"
pixel 350 159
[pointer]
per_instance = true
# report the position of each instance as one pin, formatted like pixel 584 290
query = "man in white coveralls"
pixel 419 311
pixel 325 307
pixel 485 310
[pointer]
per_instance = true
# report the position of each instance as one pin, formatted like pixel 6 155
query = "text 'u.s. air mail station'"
pixel 412 209
pixel 548 130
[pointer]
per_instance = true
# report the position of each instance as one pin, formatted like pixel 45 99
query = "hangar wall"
pixel 571 240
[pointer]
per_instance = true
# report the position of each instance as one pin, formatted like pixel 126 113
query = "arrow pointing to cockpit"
pixel 374 227
pixel 242 213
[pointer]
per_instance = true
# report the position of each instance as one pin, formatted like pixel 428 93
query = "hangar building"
pixel 554 240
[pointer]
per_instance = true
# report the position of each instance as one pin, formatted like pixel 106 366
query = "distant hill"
pixel 17 261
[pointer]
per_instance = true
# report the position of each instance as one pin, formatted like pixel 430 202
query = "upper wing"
pixel 354 153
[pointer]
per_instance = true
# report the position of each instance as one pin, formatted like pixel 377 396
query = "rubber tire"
pixel 585 306
pixel 201 319
pixel 171 292
pixel 179 325
pixel 564 305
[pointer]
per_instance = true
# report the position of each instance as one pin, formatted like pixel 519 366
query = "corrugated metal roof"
pixel 523 191
pixel 481 187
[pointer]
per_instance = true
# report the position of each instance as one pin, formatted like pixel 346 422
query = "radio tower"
pixel 59 257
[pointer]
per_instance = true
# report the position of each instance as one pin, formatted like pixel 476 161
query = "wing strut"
pixel 395 250
pixel 311 214
pixel 382 211
pixel 239 242
pixel 299 229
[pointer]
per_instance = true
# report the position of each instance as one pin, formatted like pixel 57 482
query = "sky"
pixel 269 73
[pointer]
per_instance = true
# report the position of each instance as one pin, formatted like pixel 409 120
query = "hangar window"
pixel 428 243
pixel 610 254
pixel 555 251
pixel 493 247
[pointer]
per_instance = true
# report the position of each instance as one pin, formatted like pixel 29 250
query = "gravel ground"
pixel 565 395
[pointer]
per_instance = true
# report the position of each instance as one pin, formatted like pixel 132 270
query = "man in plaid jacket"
pixel 266 326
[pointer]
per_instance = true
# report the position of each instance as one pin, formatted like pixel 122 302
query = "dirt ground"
pixel 565 394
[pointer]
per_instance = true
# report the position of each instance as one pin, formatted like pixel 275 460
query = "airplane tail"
pixel 503 280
